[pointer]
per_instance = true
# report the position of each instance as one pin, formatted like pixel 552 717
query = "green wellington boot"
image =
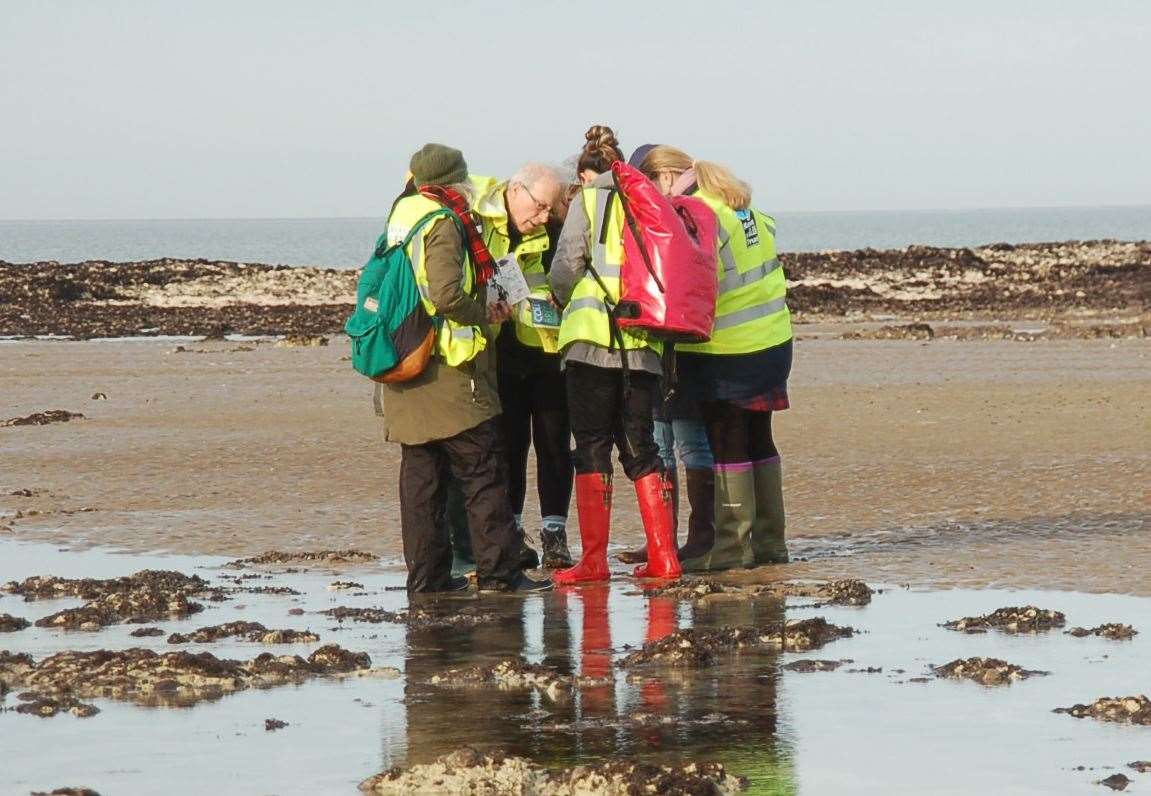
pixel 734 512
pixel 767 530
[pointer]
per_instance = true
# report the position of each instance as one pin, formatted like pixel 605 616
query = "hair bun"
pixel 600 136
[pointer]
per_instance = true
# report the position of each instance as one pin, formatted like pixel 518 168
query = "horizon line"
pixel 988 208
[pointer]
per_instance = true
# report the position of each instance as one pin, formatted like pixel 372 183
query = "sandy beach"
pixel 972 463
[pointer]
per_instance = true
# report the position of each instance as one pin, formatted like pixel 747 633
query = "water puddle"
pixel 873 719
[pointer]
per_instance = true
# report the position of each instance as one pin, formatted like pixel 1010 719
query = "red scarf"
pixel 453 200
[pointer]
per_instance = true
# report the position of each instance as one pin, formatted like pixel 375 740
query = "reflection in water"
pixel 884 732
pixel 727 713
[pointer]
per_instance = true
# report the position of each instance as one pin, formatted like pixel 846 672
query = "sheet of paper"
pixel 508 283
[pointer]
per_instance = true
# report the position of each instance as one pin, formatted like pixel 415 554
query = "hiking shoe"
pixel 528 557
pixel 458 584
pixel 520 584
pixel 637 556
pixel 554 542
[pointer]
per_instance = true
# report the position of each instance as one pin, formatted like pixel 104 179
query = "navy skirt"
pixel 756 381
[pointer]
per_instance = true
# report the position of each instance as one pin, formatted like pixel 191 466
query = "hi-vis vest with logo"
pixel 455 344
pixel 586 315
pixel 491 207
pixel 751 309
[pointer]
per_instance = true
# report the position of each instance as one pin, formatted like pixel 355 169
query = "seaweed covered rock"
pixel 250 631
pixel 10 624
pixel 418 617
pixel 807 665
pixel 1111 630
pixel 837 592
pixel 48 706
pixel 1115 782
pixel 513 675
pixel 42 418
pixel 469 771
pixel 146 596
pixel 801 635
pixel 1028 619
pixel 988 671
pixel 1122 710
pixel 697 648
pixel 307 557
pixel 171 678
pixel 47 587
pixel 121 607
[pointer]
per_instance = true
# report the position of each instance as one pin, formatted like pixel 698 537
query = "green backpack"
pixel 393 336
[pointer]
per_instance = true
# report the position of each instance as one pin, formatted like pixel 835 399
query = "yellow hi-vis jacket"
pixel 751 308
pixel 586 315
pixel 455 343
pixel 491 207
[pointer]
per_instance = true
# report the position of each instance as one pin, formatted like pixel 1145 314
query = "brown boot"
pixel 701 522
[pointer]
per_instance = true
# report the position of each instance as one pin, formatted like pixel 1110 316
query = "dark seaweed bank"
pixel 1074 281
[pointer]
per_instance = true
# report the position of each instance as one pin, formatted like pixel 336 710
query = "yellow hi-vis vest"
pixel 491 207
pixel 751 308
pixel 586 315
pixel 455 344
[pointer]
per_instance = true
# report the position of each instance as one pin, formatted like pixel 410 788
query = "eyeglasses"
pixel 541 207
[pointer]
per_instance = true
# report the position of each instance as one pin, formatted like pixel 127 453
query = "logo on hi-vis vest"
pixel 750 228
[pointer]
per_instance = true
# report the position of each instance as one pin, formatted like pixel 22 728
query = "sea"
pixel 347 242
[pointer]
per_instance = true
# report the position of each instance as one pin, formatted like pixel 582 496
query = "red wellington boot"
pixel 654 492
pixel 593 503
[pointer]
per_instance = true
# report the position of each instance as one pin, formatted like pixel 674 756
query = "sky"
pixel 165 109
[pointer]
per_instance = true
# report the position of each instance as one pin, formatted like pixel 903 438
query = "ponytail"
pixel 718 181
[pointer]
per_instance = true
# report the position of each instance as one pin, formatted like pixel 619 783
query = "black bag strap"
pixel 615 334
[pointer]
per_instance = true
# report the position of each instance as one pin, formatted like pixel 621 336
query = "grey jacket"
pixel 573 252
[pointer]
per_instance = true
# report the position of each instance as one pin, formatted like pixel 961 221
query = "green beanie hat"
pixel 437 164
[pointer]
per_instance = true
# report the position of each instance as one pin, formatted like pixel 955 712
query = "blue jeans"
pixel 688 439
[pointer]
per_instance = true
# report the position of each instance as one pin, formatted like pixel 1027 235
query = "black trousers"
pixel 473 459
pixel 737 435
pixel 603 414
pixel 535 411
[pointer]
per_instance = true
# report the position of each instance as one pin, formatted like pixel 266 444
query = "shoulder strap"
pixel 424 221
pixel 635 231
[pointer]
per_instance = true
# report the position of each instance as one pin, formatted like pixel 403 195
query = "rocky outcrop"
pixel 170 678
pixel 1028 619
pixel 469 771
pixel 205 297
pixel 987 671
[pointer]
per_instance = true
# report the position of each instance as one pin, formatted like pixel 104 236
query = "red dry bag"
pixel 668 280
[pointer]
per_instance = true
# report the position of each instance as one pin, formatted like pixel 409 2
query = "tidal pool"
pixel 851 730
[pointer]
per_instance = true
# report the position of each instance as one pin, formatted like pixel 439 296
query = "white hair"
pixel 531 173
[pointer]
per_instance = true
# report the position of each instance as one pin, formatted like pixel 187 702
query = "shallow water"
pixel 346 242
pixel 834 732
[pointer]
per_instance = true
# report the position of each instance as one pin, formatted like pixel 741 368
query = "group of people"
pixel 500 381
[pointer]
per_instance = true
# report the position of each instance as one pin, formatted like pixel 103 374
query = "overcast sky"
pixel 267 109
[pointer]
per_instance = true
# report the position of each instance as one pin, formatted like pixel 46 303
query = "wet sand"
pixel 934 463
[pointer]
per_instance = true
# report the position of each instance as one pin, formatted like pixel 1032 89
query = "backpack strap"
pixel 419 225
pixel 635 231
